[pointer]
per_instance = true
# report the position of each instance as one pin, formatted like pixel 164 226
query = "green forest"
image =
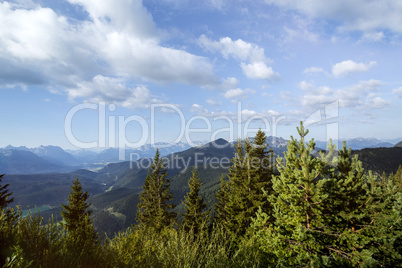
pixel 299 210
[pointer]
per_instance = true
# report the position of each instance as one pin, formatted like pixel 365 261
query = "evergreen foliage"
pixel 249 177
pixel 328 212
pixel 8 220
pixel 81 239
pixel 322 210
pixel 195 218
pixel 154 207
pixel 5 196
pixel 77 209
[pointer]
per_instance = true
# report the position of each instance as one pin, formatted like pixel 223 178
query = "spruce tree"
pixel 5 195
pixel 296 237
pixel 262 173
pixel 81 239
pixel 221 206
pixel 77 208
pixel 195 218
pixel 249 177
pixel 329 212
pixel 7 221
pixel 239 179
pixel 154 207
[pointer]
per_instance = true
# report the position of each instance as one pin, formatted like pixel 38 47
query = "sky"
pixel 121 73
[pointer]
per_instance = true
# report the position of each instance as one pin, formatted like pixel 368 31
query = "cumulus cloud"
pixel 376 102
pixel 373 36
pixel 239 116
pixel 258 70
pixel 238 93
pixel 312 70
pixel 230 82
pixel 117 39
pixel 196 108
pixel 252 57
pixel 398 91
pixel 114 90
pixel 348 66
pixel 238 49
pixel 212 102
pixel 362 95
pixel 368 17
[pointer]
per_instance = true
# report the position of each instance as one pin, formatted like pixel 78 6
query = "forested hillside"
pixel 303 210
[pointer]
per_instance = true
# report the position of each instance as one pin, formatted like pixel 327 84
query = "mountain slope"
pixel 24 162
pixel 399 144
pixel 381 160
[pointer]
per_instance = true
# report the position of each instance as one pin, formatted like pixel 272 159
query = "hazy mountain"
pixel 52 154
pixel 111 155
pixel 24 162
pixel 84 156
pixel 58 160
pixel 399 144
pixel 357 143
pixel 115 188
pixel 56 155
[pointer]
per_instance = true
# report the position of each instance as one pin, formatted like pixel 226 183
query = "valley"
pixel 114 189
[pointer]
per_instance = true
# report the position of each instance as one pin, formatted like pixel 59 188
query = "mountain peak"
pixel 399 144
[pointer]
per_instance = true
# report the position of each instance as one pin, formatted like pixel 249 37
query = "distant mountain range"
pixel 115 188
pixel 359 143
pixel 45 159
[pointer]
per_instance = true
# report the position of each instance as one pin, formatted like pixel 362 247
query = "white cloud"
pixel 311 70
pixel 252 57
pixel 212 102
pixel 285 95
pixel 196 108
pixel 375 102
pixel 217 4
pixel 299 31
pixel 238 93
pixel 119 39
pixel 114 90
pixel 258 70
pixel 373 36
pixel 242 115
pixel 305 85
pixel 361 15
pixel 230 82
pixel 349 66
pixel 238 49
pixel 398 91
pixel 358 96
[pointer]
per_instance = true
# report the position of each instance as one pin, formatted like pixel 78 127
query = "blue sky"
pixel 213 67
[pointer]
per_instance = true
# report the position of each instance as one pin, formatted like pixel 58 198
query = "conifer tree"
pixel 77 208
pixel 397 179
pixel 7 221
pixel 221 206
pixel 262 172
pixel 154 207
pixel 249 176
pixel 326 216
pixel 296 236
pixel 239 179
pixel 5 195
pixel 81 239
pixel 6 199
pixel 195 218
